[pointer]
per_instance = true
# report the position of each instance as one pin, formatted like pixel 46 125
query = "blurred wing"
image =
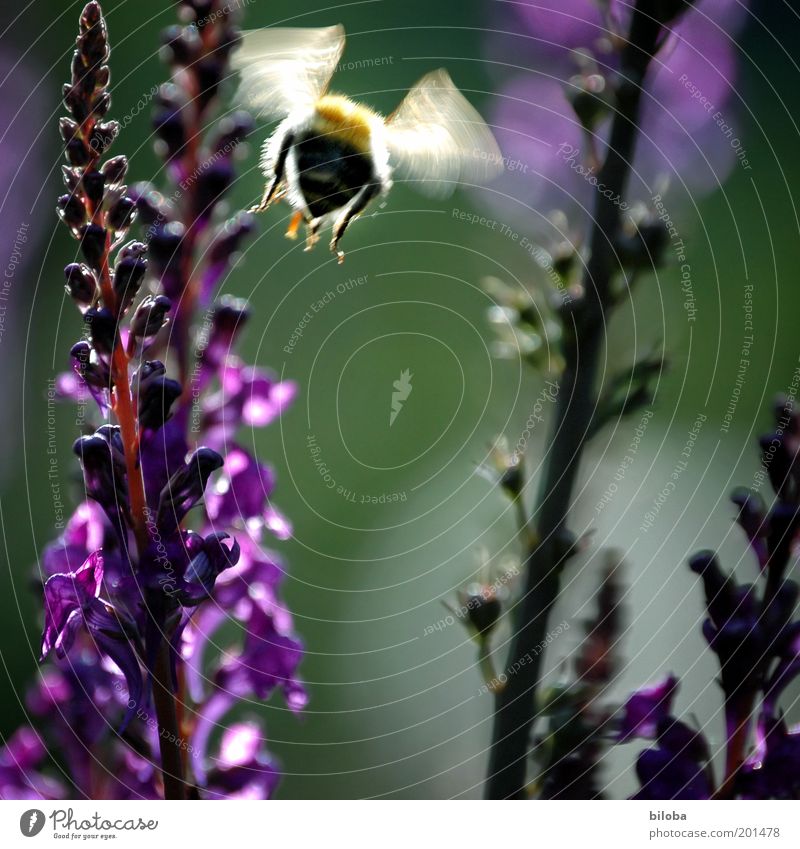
pixel 437 139
pixel 283 68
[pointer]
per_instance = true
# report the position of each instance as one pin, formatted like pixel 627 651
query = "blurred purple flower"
pixel 645 709
pixel 552 119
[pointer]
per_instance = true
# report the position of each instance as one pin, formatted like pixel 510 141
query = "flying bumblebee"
pixel 329 157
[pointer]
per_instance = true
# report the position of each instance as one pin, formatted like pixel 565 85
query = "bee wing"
pixel 437 138
pixel 283 69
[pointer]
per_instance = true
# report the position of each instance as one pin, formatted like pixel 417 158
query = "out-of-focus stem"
pixel 737 719
pixel 169 735
pixel 515 703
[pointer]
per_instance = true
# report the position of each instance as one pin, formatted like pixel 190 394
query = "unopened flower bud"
pixel 93 244
pixel 81 283
pixel 150 316
pixel 72 211
pixel 102 329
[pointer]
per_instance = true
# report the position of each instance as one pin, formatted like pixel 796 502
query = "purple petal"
pixel 645 709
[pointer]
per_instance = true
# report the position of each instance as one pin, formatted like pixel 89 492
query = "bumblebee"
pixel 330 156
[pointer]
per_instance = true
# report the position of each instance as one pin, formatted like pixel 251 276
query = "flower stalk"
pixel 585 321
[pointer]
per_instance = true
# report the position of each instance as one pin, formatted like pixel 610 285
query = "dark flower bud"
pixel 103 136
pixel 719 589
pixel 483 612
pixel 181 45
pixel 71 211
pixel 93 38
pixel 186 487
pixel 83 78
pixel 93 244
pixel 209 73
pixel 103 476
pixel 102 76
pixel 589 99
pixel 102 328
pixel 212 183
pixel 150 316
pixel 113 436
pixel 230 315
pixel 679 739
pixel 81 283
pixel 151 206
pixel 156 397
pixel 784 521
pixel 68 128
pixel 778 611
pixel 230 131
pixel 644 245
pixel 122 213
pixel 76 103
pixel 169 128
pixel 204 567
pixel 94 183
pixel 197 10
pixel 101 105
pixel 72 178
pixel 115 169
pixel 76 153
pixel 90 369
pixel 129 271
pixel 166 247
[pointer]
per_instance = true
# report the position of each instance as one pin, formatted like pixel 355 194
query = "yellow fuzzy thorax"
pixel 348 121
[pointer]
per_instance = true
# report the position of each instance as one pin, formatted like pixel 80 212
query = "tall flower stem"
pixel 585 325
pixel 169 735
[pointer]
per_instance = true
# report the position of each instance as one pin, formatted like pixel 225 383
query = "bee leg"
pixel 353 210
pixel 312 233
pixel 269 195
pixel 294 225
pixel 275 188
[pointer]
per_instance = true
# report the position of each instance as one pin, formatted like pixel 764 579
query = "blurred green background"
pixel 393 711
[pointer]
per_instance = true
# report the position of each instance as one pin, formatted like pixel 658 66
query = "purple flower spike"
pixel 646 708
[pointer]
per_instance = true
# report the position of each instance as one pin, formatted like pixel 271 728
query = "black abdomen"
pixel 331 172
